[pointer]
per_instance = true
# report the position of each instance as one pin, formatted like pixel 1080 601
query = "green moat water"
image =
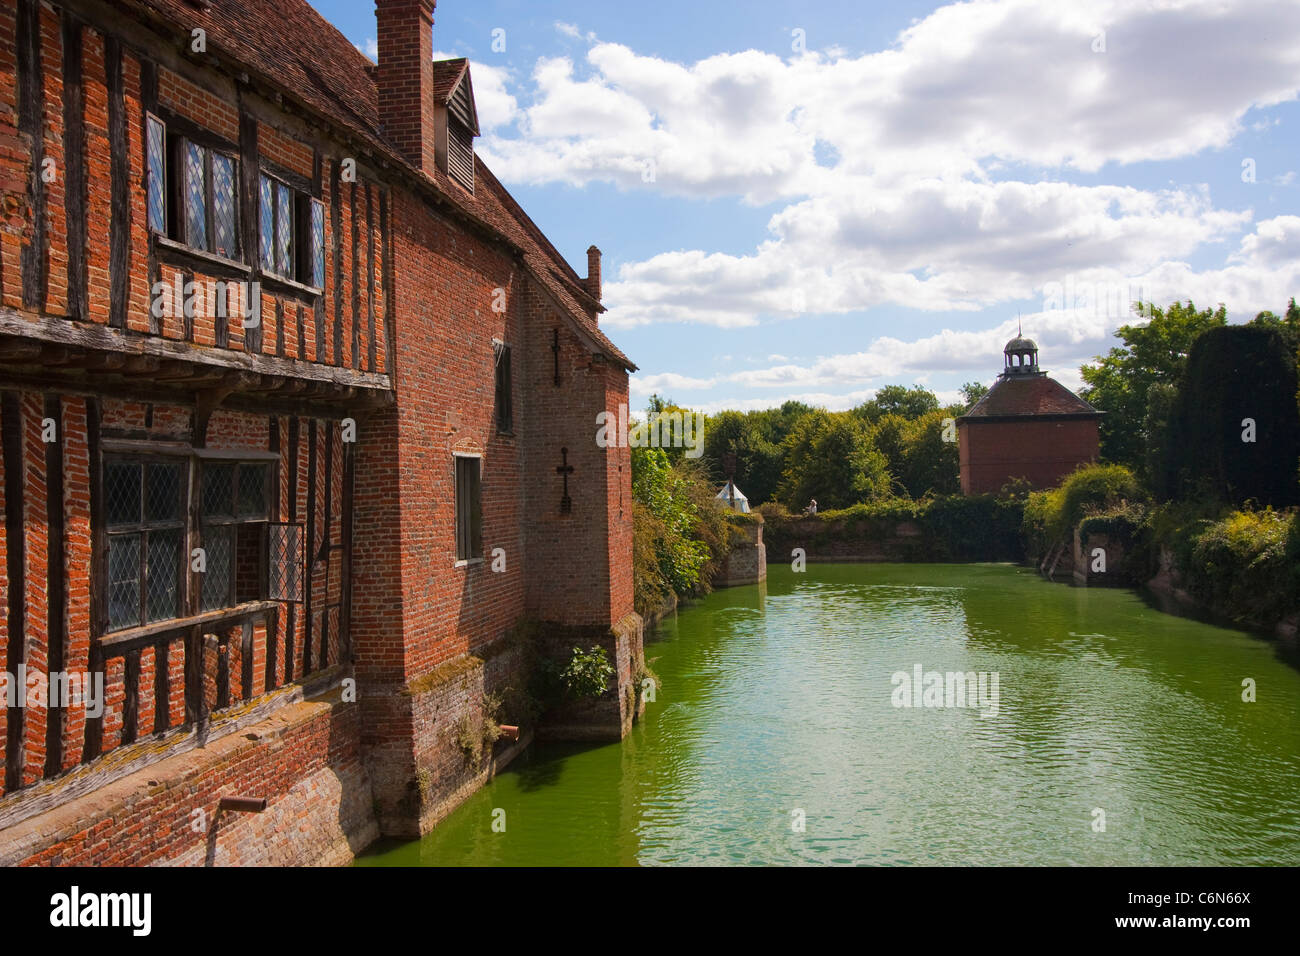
pixel 781 701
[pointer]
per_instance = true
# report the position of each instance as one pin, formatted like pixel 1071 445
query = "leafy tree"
pixel 666 525
pixel 662 418
pixel 971 393
pixel 930 464
pixel 830 457
pixel 1234 430
pixel 1288 326
pixel 898 400
pixel 757 440
pixel 889 436
pixel 1154 352
pixel 750 437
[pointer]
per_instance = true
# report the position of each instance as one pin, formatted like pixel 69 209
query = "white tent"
pixel 733 498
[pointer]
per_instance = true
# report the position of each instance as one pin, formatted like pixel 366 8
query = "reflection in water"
pixel 777 702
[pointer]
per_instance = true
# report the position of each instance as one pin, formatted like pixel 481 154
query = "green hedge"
pixel 952 528
pixel 1246 564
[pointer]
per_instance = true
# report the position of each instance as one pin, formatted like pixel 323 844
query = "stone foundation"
pixel 746 563
pixel 610 716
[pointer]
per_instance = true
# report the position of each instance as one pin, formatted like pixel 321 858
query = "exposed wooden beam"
pixel 59 331
pixel 16 350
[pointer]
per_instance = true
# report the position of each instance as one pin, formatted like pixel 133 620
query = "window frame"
pixel 141 529
pixel 191 523
pixel 234 521
pixel 469 538
pixel 164 158
pixel 503 390
pixel 176 219
pixel 301 258
pixel 172 192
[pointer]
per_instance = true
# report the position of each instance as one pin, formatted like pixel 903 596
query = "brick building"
pixel 298 414
pixel 1027 426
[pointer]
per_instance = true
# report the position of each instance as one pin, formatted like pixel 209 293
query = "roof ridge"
pixel 526 221
pixel 1030 395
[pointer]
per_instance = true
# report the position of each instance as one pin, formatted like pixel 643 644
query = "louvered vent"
pixel 460 154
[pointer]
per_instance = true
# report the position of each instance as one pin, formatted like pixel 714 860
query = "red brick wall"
pixel 569 579
pixel 198 104
pixel 444 293
pixel 992 453
pixel 306 762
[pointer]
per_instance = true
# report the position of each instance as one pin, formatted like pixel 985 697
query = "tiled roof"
pixel 545 263
pixel 445 75
pixel 1016 395
pixel 326 73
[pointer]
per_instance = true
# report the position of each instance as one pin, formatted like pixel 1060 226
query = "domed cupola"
pixel 1021 356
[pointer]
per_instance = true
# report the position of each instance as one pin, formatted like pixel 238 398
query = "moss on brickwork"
pixel 447 671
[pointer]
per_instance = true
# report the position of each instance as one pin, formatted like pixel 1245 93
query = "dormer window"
pixel 456 121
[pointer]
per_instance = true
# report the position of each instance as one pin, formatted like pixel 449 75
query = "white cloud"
pixel 931 245
pixel 497 106
pixel 642 384
pixel 568 29
pixel 934 189
pixel 971 84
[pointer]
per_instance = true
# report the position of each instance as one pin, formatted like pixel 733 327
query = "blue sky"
pixel 812 201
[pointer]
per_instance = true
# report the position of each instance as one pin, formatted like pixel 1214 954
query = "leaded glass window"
pixel 266 224
pixel 276 226
pixel 234 510
pixel 209 197
pixel 286 562
pixel 318 243
pixel 224 241
pixel 196 196
pixel 145 517
pixel 145 527
pixel 283 228
pixel 156 148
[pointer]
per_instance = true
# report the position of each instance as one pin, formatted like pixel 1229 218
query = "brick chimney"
pixel 593 272
pixel 406 100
